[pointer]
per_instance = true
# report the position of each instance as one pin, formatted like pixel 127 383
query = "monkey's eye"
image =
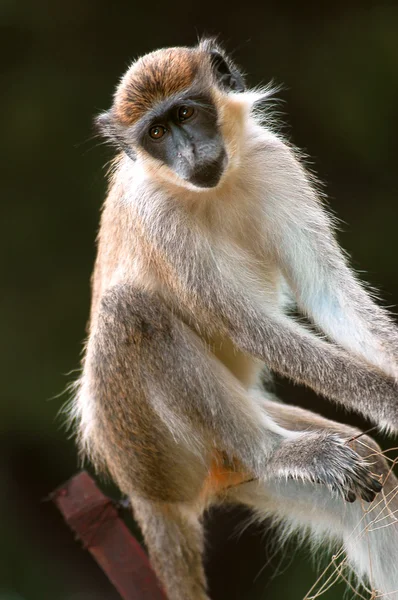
pixel 157 131
pixel 185 112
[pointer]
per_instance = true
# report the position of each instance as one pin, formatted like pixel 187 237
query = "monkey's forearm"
pixel 292 351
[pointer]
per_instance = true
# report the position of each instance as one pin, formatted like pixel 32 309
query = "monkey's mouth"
pixel 209 174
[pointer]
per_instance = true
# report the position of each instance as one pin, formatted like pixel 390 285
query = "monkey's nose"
pixel 187 155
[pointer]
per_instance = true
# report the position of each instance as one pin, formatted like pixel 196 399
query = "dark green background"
pixel 60 62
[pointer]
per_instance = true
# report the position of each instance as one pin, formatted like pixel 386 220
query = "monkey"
pixel 211 230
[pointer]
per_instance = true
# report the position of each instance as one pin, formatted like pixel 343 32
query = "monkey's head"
pixel 178 110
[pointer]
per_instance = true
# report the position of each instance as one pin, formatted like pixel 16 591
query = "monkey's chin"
pixel 186 184
pixel 198 184
pixel 206 183
pixel 211 174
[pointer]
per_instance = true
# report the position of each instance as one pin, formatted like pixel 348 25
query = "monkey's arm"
pixel 213 287
pixel 325 287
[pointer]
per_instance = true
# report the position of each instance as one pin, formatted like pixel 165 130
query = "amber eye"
pixel 157 131
pixel 185 112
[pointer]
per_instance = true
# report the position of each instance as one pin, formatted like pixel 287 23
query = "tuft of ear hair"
pixel 226 72
pixel 106 125
pixel 231 80
pixel 103 123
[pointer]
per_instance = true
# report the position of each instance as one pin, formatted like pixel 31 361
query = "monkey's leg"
pixel 155 407
pixel 368 531
pixel 174 536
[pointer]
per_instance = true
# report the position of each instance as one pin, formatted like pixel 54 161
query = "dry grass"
pixel 381 516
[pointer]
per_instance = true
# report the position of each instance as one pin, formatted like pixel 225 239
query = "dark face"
pixel 184 135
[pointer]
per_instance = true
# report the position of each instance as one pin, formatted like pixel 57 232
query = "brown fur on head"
pixel 164 74
pixel 153 78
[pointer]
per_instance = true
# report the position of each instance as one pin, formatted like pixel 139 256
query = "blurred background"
pixel 60 61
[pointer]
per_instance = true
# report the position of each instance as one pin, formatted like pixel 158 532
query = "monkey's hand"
pixel 325 458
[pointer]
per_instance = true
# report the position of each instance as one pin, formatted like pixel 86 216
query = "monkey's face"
pixel 168 107
pixel 184 136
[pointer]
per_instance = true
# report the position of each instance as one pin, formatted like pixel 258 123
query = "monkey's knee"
pixel 133 332
pixel 133 316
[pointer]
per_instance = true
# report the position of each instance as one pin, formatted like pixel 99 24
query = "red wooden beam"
pixel 94 519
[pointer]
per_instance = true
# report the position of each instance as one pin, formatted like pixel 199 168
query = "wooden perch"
pixel 94 519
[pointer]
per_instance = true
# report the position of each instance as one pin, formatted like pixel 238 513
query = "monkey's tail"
pixel 173 534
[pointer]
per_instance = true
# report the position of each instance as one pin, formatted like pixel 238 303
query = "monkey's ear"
pixel 227 75
pixel 106 125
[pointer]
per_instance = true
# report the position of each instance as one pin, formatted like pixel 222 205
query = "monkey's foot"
pixel 326 458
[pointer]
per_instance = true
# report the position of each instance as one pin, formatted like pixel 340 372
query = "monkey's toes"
pixel 369 488
pixel 360 481
pixel 349 474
